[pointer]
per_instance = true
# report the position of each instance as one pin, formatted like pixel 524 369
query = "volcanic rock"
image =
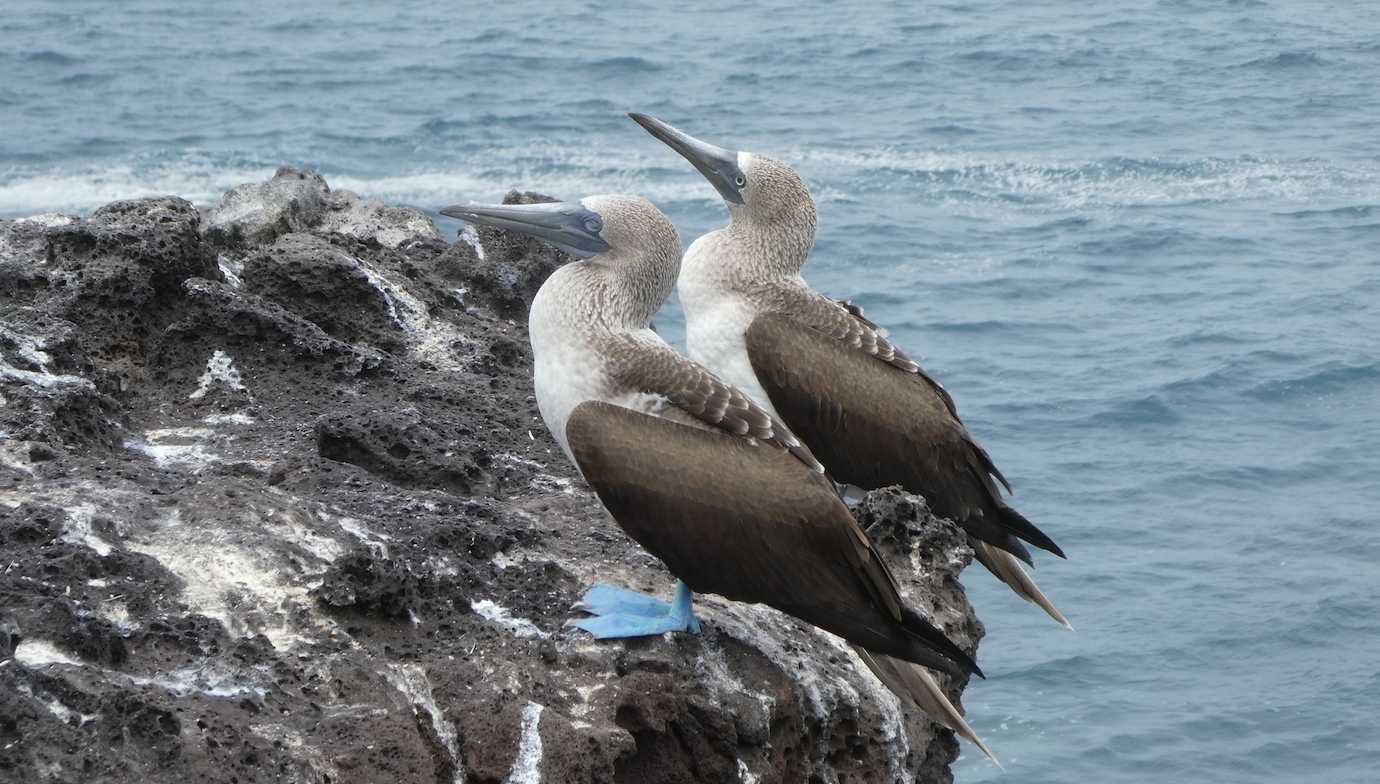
pixel 276 505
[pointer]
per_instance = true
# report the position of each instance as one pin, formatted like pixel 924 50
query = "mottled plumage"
pixel 692 468
pixel 867 411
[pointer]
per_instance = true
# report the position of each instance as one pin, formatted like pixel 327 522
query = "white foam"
pixel 220 369
pixel 834 174
pixel 745 775
pixel 203 180
pixel 196 178
pixel 527 765
pixel 497 613
pixel 1090 184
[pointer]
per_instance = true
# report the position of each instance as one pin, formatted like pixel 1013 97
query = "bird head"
pixel 623 238
pixel 762 190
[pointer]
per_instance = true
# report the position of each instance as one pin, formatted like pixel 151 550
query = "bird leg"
pixel 619 612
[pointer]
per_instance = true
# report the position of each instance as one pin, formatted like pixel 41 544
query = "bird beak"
pixel 568 225
pixel 718 165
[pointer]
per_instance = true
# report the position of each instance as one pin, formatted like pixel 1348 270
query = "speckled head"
pixel 756 188
pixel 623 237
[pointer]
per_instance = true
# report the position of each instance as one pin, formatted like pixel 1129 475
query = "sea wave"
pixel 1009 184
pixel 81 190
pixel 203 183
pixel 1116 182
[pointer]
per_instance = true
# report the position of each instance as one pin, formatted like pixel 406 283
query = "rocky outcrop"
pixel 276 505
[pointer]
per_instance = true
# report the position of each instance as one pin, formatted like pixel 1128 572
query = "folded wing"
pixel 733 517
pixel 877 423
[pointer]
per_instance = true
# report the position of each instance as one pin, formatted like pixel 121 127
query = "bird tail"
pixel 914 684
pixel 1018 525
pixel 1009 570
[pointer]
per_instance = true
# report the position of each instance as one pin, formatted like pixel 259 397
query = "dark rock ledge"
pixel 276 505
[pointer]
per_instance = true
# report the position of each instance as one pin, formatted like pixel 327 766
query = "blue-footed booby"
pixel 870 414
pixel 693 469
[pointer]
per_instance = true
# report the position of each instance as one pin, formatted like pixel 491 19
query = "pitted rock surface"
pixel 276 505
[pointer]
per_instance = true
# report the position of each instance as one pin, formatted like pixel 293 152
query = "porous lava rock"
pixel 276 504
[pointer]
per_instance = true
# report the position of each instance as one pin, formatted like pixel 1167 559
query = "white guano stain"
pixel 30 350
pixel 41 653
pixel 13 454
pixel 78 530
pixel 55 706
pixel 236 418
pixel 527 765
pixel 231 268
pixel 471 238
pixel 176 447
pixel 429 339
pixel 220 370
pixel 411 680
pixel 228 576
pixel 297 744
pixel 377 542
pixel 497 613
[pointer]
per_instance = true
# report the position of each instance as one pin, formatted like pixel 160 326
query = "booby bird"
pixel 870 413
pixel 691 468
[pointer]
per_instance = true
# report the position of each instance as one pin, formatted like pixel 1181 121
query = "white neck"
pixel 577 310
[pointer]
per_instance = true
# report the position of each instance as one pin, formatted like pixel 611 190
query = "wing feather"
pixel 875 427
pixel 749 524
pixel 692 388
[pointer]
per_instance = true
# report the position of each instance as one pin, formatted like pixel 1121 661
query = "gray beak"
pixel 566 224
pixel 718 165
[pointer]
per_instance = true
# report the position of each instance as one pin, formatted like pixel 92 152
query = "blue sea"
pixel 1139 242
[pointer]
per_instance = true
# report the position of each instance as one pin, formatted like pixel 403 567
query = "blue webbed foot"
pixel 622 613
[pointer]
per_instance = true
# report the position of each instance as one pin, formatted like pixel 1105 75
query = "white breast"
pixel 567 370
pixel 717 320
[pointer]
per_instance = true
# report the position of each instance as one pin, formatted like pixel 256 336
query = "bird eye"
pixel 740 181
pixel 593 225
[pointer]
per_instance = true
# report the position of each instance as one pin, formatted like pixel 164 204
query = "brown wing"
pixel 749 524
pixel 845 322
pixel 692 388
pixel 872 426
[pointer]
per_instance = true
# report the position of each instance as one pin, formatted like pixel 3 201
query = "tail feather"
pixel 1008 569
pixel 914 684
pixel 1016 523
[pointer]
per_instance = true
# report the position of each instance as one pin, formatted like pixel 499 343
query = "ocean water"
pixel 1140 243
